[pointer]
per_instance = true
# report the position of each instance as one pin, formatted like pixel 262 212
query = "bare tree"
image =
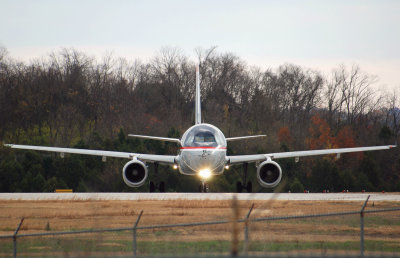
pixel 393 112
pixel 350 93
pixel 333 97
pixel 3 53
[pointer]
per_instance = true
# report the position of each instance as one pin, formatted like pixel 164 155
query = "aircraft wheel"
pixel 249 187
pixel 239 187
pixel 152 187
pixel 161 187
pixel 205 188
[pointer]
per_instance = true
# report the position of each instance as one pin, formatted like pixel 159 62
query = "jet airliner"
pixel 203 153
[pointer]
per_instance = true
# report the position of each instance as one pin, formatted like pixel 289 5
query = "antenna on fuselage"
pixel 197 116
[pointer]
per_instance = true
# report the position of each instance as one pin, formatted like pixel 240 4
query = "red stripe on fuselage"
pixel 213 148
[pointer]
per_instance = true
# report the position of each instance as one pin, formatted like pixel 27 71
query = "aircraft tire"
pixel 249 187
pixel 161 187
pixel 239 187
pixel 205 190
pixel 152 187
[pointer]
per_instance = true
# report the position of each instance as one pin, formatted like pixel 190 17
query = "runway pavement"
pixel 203 196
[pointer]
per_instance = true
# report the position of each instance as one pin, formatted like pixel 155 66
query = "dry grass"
pixel 78 214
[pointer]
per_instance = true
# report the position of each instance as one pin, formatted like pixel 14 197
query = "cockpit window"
pixel 203 136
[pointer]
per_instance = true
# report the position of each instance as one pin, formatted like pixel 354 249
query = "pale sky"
pixel 314 34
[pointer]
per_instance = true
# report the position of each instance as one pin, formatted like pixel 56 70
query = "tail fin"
pixel 197 117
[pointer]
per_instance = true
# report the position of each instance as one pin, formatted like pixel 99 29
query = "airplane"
pixel 202 152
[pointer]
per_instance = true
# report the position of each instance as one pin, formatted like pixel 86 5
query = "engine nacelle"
pixel 269 174
pixel 134 173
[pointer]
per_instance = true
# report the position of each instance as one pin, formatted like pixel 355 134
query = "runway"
pixel 203 196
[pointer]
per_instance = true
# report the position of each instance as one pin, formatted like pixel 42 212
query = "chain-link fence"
pixel 364 232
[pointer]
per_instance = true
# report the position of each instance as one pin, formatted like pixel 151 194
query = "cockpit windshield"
pixel 203 136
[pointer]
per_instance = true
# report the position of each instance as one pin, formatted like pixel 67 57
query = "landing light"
pixel 175 166
pixel 205 173
pixel 226 167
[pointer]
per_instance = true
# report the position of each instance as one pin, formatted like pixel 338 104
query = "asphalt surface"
pixel 203 196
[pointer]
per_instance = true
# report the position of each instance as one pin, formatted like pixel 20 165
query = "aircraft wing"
pixel 163 159
pixel 244 137
pixel 155 138
pixel 296 154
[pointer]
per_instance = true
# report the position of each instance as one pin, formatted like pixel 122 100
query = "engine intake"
pixel 134 173
pixel 269 174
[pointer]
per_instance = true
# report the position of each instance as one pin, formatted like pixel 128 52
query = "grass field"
pixel 321 235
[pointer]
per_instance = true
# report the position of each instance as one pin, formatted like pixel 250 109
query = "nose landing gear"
pixel 203 188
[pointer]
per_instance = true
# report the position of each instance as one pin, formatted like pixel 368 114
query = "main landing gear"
pixel 160 187
pixel 244 185
pixel 153 186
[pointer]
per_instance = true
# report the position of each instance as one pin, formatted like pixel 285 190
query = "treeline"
pixel 69 99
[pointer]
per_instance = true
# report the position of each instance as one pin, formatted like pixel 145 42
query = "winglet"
pixel 197 98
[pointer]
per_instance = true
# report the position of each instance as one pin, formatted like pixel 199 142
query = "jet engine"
pixel 134 173
pixel 269 174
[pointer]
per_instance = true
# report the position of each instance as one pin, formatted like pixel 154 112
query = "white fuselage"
pixel 203 147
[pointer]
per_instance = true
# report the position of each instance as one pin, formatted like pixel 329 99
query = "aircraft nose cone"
pixel 195 161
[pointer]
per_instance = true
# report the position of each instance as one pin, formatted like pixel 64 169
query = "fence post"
pixel 246 231
pixel 134 233
pixel 15 237
pixel 235 227
pixel 362 227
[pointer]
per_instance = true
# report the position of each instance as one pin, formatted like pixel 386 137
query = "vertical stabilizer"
pixel 197 101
